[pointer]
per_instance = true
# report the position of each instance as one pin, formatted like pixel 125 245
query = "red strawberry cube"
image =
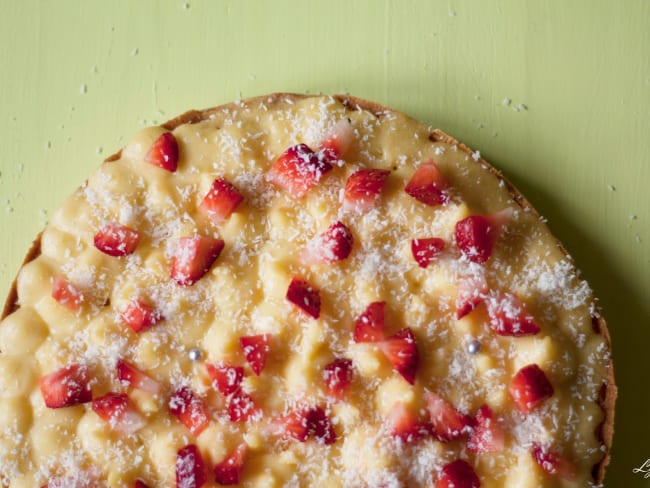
pixel 119 412
pixel 369 327
pixel 447 422
pixel 193 258
pixel 190 409
pixel 67 386
pixel 225 378
pixel 551 461
pixel 242 407
pixel 425 250
pixel 458 474
pixel 256 348
pixel 404 424
pixel 298 169
pixel 530 387
pixel 164 152
pixel 140 316
pixel 304 296
pixel 363 189
pixel 190 468
pixel 228 472
pixel 66 293
pixel 135 378
pixel 428 185
pixel 117 240
pixel 509 317
pixel 338 376
pixel 402 352
pixel 221 201
pixel 486 435
pixel 334 244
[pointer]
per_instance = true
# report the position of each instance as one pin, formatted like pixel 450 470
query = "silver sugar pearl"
pixel 195 354
pixel 474 347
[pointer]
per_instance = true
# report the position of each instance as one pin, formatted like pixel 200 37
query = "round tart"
pixel 301 291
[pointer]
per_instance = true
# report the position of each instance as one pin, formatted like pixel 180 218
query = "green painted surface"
pixel 81 75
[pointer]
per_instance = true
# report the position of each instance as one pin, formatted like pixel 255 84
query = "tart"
pixel 301 291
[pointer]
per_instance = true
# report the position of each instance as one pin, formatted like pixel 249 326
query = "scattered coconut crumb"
pixel 611 187
pixel 522 106
pixel 21 167
pixel 135 52
pixel 476 156
pixel 49 144
pixel 9 209
pixel 633 217
pixel 506 102
pixel 93 69
pixel 84 89
pixel 637 238
pixel 99 150
pixel 186 6
pixel 452 13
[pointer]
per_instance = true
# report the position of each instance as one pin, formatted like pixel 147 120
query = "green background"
pixel 78 78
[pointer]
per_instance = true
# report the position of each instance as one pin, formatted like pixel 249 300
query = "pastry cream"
pixel 462 364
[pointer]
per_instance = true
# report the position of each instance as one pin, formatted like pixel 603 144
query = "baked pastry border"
pixel 609 390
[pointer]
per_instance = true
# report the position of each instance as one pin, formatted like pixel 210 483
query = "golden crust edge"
pixel 609 390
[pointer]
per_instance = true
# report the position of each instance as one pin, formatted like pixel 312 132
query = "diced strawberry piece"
pixel 298 169
pixel 303 422
pixel 447 422
pixel 228 472
pixel 295 425
pixel 320 426
pixel 66 293
pixel 338 375
pixel 225 378
pixel 67 386
pixel 164 152
pixel 509 317
pixel 424 250
pixel 553 462
pixel 304 296
pixel 117 240
pixel 190 468
pixel 190 409
pixel 401 351
pixel 335 244
pixel 193 258
pixel 369 327
pixel 119 412
pixel 362 190
pixel 242 407
pixel 530 387
pixel 139 315
pixel 338 141
pixel 404 424
pixel 477 234
pixel 428 185
pixel 133 377
pixel 487 435
pixel 458 474
pixel 255 349
pixel 221 201
pixel 472 291
pixel 140 484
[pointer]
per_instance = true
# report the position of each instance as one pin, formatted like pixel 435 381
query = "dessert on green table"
pixel 301 291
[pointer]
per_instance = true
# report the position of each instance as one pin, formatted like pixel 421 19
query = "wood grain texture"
pixel 581 69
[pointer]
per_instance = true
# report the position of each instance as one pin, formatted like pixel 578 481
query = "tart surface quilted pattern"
pixel 295 291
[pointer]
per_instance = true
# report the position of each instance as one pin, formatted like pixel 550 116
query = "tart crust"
pixel 608 392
